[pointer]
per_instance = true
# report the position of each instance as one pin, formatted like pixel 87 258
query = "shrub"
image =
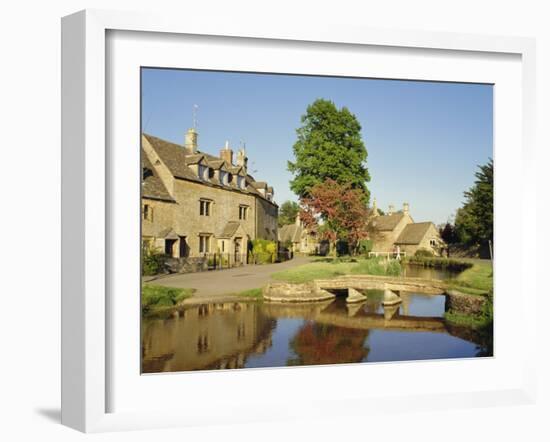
pixel 424 253
pixel 152 261
pixel 264 251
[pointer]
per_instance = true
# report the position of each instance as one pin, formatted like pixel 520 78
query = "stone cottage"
pixel 195 204
pixel 398 229
pixel 300 239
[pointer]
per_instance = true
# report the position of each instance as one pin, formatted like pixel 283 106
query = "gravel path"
pixel 213 284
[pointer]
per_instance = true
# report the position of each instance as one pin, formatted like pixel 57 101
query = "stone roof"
pixel 229 230
pixel 152 186
pixel 290 232
pixel 168 234
pixel 259 185
pixel 387 222
pixel 177 160
pixel 174 157
pixel 413 233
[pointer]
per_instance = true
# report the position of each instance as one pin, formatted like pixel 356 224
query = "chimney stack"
pixel 226 154
pixel 390 209
pixel 191 139
pixel 406 208
pixel 242 159
pixel 374 208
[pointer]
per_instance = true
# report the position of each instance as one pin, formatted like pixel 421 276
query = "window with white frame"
pixel 205 207
pixel 243 212
pixel 204 243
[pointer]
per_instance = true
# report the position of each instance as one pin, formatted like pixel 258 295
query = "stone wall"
pixel 224 207
pixel 462 303
pixel 187 265
pixel 266 219
pixel 162 217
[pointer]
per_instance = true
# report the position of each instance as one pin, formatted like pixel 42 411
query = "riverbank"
pixel 475 277
pixel 157 300
pixel 475 280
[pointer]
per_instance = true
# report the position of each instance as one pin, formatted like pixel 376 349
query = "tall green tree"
pixel 329 146
pixel 288 212
pixel 474 220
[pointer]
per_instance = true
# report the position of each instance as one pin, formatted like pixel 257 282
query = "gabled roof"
pixel 194 159
pixel 173 156
pixel 290 232
pixel 218 164
pixel 152 186
pixel 229 229
pixel 168 234
pixel 414 233
pixel 386 222
pixel 259 185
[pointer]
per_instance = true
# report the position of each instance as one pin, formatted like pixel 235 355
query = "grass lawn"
pixel 331 268
pixel 477 280
pixel 155 298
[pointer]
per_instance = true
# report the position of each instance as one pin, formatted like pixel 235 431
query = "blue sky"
pixel 424 139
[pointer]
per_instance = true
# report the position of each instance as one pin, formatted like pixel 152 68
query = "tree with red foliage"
pixel 342 210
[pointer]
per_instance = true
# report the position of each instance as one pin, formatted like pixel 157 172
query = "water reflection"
pixel 252 334
pixel 208 336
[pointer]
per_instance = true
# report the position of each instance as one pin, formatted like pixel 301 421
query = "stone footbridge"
pixel 354 287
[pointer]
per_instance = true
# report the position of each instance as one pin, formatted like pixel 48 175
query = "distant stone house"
pixel 300 239
pixel 195 204
pixel 398 230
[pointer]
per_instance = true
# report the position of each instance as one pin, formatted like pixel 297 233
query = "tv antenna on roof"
pixel 195 108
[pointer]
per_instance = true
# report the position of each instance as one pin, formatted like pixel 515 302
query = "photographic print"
pixel 300 220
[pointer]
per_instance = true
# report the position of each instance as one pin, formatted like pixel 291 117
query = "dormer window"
pixel 203 170
pixel 241 183
pixel 223 178
pixel 210 173
pixel 229 178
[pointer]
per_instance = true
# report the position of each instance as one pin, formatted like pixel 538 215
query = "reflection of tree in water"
pixel 316 344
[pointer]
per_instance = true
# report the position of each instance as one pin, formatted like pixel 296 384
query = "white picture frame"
pixel 86 317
